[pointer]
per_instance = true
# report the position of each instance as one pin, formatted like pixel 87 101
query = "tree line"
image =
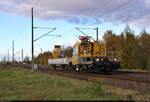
pixel 132 50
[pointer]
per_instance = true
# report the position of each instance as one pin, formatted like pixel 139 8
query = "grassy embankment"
pixel 20 84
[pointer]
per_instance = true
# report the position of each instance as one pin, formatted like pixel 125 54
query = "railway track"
pixel 127 76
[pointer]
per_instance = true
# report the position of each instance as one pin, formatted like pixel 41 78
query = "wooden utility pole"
pixel 32 40
pixel 97 34
pixel 13 51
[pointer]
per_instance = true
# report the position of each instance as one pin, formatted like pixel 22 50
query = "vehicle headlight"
pixel 97 59
pixel 115 59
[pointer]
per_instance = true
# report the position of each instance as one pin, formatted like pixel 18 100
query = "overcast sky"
pixel 66 14
pixel 134 12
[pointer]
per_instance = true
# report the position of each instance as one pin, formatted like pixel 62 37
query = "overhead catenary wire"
pixel 22 30
pixel 85 33
pixel 36 3
pixel 20 33
pixel 49 41
pixel 97 8
pixel 43 28
pixel 44 34
pixel 116 8
pixel 130 9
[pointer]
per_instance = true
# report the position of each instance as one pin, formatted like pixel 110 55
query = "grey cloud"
pixel 83 11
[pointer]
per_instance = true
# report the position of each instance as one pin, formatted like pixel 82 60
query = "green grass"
pixel 20 84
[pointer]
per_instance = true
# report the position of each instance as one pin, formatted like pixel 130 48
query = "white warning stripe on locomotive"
pixel 60 61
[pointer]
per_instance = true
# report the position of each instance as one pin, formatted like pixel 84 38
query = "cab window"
pixel 75 51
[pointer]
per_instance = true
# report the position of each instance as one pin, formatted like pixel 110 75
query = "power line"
pixel 130 9
pixel 99 7
pixel 20 33
pixel 116 8
pixel 36 3
pixel 110 11
pixel 23 27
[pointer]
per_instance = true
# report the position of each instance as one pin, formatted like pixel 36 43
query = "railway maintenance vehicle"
pixel 87 56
